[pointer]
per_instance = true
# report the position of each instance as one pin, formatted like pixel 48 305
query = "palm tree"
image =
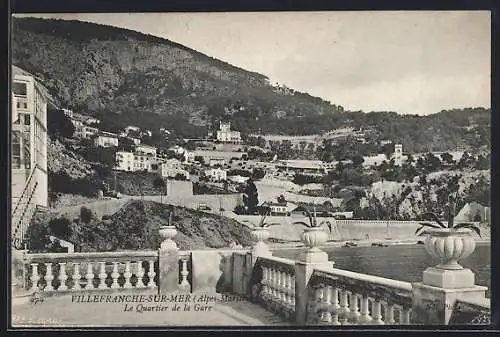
pixel 451 220
pixel 313 220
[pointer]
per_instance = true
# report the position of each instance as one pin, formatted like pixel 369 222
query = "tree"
pixel 447 158
pixel 159 184
pixel 60 227
pixel 59 124
pixel 250 196
pixel 357 160
pixel 86 214
pixel 258 174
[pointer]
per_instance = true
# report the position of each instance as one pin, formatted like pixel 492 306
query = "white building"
pixel 124 161
pixel 136 141
pixel 146 149
pixel 217 162
pixel 106 139
pixel 85 131
pixel 278 209
pixel 216 174
pixel 130 161
pixel 68 112
pixel 172 168
pixel 225 135
pixel 91 120
pixel 132 128
pixel 29 181
pixel 143 161
pixel 238 179
pixel 398 154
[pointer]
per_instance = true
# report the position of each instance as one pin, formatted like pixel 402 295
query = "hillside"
pixel 136 225
pixel 125 77
pixel 143 79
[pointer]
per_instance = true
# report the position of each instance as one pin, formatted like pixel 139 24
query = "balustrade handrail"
pixel 90 256
pixel 340 274
pixel 277 262
pixel 379 288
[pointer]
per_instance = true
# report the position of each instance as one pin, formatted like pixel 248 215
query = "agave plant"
pixel 313 220
pixel 262 222
pixel 451 221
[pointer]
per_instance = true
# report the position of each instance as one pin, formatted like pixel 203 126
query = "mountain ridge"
pixel 128 77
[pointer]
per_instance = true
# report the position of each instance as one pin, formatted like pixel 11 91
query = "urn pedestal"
pixel 449 246
pixel 167 233
pixel 259 236
pixel 313 238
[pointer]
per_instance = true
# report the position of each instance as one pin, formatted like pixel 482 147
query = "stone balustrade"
pixel 340 297
pixel 307 291
pixel 276 288
pixel 59 272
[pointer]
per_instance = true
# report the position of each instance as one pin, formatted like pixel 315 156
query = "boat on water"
pixel 350 244
pixel 379 244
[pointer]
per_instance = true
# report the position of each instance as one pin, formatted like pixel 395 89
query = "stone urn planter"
pixel 259 235
pixel 313 237
pixel 167 233
pixel 449 245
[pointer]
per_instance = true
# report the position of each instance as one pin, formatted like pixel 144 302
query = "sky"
pixel 408 62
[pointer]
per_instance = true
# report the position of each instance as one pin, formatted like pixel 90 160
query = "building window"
pixel 27 119
pixel 19 88
pixel 26 150
pixel 16 149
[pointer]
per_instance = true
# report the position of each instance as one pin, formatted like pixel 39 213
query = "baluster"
pixel 115 275
pixel 334 306
pixel 377 313
pixel 76 276
pixel 326 315
pixel 343 307
pixel 151 275
pixel 62 276
pixel 102 276
pixel 272 280
pixel 404 316
pixel 140 275
pixel 35 277
pixel 389 314
pixel 364 317
pixel 354 309
pixel 90 277
pixel 286 289
pixel 49 277
pixel 278 285
pixel 127 274
pixel 265 280
pixel 184 275
pixel 292 292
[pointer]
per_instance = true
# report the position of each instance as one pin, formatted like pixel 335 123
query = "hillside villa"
pixel 172 168
pixel 146 149
pixel 106 139
pixel 225 135
pixel 216 174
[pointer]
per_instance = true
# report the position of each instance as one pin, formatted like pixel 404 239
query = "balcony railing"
pixel 56 272
pixel 307 293
pixel 340 297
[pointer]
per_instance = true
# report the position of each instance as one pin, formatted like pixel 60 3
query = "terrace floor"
pixel 60 311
